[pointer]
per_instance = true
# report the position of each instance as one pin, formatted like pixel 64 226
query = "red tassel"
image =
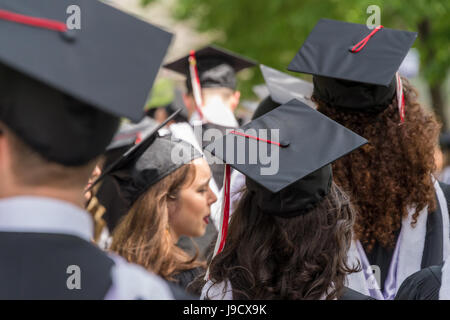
pixel 255 138
pixel 33 21
pixel 400 98
pixel 226 208
pixel 195 81
pixel 364 41
pixel 138 138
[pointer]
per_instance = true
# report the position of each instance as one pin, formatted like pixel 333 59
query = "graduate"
pixel 403 221
pixel 211 90
pixel 61 99
pixel 211 99
pixel 163 186
pixel 280 88
pixel 289 235
pixel 103 204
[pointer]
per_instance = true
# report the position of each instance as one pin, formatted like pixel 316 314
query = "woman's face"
pixel 193 206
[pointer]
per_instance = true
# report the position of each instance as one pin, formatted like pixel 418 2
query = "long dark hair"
pixel 268 257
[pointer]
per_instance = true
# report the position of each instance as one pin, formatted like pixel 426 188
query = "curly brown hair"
pixel 393 172
pixel 268 257
pixel 142 236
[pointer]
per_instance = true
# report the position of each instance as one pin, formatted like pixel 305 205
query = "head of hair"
pixel 31 169
pixel 393 172
pixel 305 257
pixel 143 237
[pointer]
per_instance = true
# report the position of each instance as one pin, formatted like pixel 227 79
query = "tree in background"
pixel 272 31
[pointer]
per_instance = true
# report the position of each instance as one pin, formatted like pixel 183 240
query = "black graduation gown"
pixel 185 278
pixel 34 266
pixel 350 294
pixel 422 285
pixel 432 254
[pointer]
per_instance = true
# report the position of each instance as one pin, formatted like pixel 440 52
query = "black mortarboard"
pixel 143 165
pixel 77 82
pixel 217 67
pixel 283 87
pixel 137 175
pixel 309 142
pixel 132 133
pixel 109 63
pixel 353 67
pixel 134 151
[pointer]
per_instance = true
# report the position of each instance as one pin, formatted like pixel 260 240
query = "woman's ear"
pixel 171 204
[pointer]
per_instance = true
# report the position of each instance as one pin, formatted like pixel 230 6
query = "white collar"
pixel 44 215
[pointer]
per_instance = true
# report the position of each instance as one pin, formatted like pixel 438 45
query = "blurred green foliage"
pixel 162 94
pixel 272 31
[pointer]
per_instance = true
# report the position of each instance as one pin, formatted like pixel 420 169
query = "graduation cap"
pixel 142 166
pixel 283 87
pixel 261 91
pixel 77 82
pixel 134 151
pixel 352 66
pixel 132 133
pixel 300 143
pixel 217 67
pixel 210 67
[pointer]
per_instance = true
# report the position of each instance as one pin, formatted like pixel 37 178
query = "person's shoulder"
pixel 350 294
pixel 217 291
pixel 133 282
pixel 445 189
pixel 422 285
pixel 187 276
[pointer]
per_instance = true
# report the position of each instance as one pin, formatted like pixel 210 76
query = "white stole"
pixel 407 258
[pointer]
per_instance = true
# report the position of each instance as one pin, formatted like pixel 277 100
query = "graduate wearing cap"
pixel 290 233
pixel 211 99
pixel 161 188
pixel 63 92
pixel 211 89
pixel 279 88
pixel 101 202
pixel 402 224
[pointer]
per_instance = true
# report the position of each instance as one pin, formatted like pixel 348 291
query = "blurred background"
pixel 272 31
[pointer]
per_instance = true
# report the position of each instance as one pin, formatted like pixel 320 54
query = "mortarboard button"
pixel 69 35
